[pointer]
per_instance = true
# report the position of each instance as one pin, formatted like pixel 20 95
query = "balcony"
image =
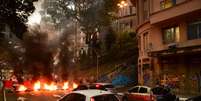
pixel 176 11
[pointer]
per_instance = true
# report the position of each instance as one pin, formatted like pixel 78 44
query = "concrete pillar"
pixel 156 69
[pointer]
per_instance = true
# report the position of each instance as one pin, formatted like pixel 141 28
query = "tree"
pixel 91 15
pixel 110 39
pixel 15 14
pixel 124 49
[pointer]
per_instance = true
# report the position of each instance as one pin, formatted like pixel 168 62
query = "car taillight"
pixel 92 99
pixel 97 86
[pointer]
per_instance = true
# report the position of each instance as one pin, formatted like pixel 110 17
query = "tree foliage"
pixel 15 14
pixel 90 14
pixel 124 47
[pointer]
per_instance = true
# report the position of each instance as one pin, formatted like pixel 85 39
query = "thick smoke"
pixel 48 46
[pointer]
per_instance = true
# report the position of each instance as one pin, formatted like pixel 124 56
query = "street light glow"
pixel 122 4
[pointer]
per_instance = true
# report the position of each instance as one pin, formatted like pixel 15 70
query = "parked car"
pixel 164 94
pixel 196 98
pixel 144 93
pixel 139 93
pixel 90 95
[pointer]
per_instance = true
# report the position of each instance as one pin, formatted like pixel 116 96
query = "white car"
pixel 90 95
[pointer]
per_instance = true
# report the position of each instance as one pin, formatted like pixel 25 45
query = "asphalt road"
pixel 34 96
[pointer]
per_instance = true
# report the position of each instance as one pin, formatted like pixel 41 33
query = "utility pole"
pixel 97 67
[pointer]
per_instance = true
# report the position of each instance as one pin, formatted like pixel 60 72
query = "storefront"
pixel 182 73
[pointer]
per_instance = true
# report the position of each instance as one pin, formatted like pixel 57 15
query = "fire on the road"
pixel 22 88
pixel 50 87
pixel 38 85
pixel 75 85
pixel 65 86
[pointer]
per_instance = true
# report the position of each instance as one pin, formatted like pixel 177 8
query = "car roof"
pixel 92 92
pixel 142 86
pixel 103 83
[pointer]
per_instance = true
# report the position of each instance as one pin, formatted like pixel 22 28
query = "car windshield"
pixel 108 86
pixel 81 87
pixel 108 97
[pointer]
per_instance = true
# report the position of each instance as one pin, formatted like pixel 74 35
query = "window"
pixel 171 35
pixel 143 90
pixel 145 10
pixel 145 41
pixel 74 97
pixel 134 90
pixel 167 3
pixel 194 30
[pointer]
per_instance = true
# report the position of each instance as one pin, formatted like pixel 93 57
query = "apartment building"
pixel 169 40
pixel 126 17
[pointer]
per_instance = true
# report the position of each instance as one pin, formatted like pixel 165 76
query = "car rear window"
pixel 160 91
pixel 108 86
pixel 134 90
pixel 143 90
pixel 107 97
pixel 81 87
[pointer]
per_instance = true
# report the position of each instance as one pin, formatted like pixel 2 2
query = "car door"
pixel 74 97
pixel 105 97
pixel 133 94
pixel 144 94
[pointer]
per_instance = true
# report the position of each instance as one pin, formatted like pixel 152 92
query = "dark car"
pixel 163 94
pixel 196 98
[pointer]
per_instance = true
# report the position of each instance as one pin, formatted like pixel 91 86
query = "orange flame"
pixel 22 88
pixel 37 86
pixel 75 85
pixel 65 86
pixel 50 87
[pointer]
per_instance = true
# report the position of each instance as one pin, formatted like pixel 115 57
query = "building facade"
pixel 169 40
pixel 126 17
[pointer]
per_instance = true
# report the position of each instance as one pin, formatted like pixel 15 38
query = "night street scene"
pixel 100 50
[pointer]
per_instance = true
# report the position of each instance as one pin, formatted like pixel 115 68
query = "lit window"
pixel 167 3
pixel 194 30
pixel 145 41
pixel 171 35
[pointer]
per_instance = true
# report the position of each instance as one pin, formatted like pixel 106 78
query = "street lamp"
pixel 122 4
